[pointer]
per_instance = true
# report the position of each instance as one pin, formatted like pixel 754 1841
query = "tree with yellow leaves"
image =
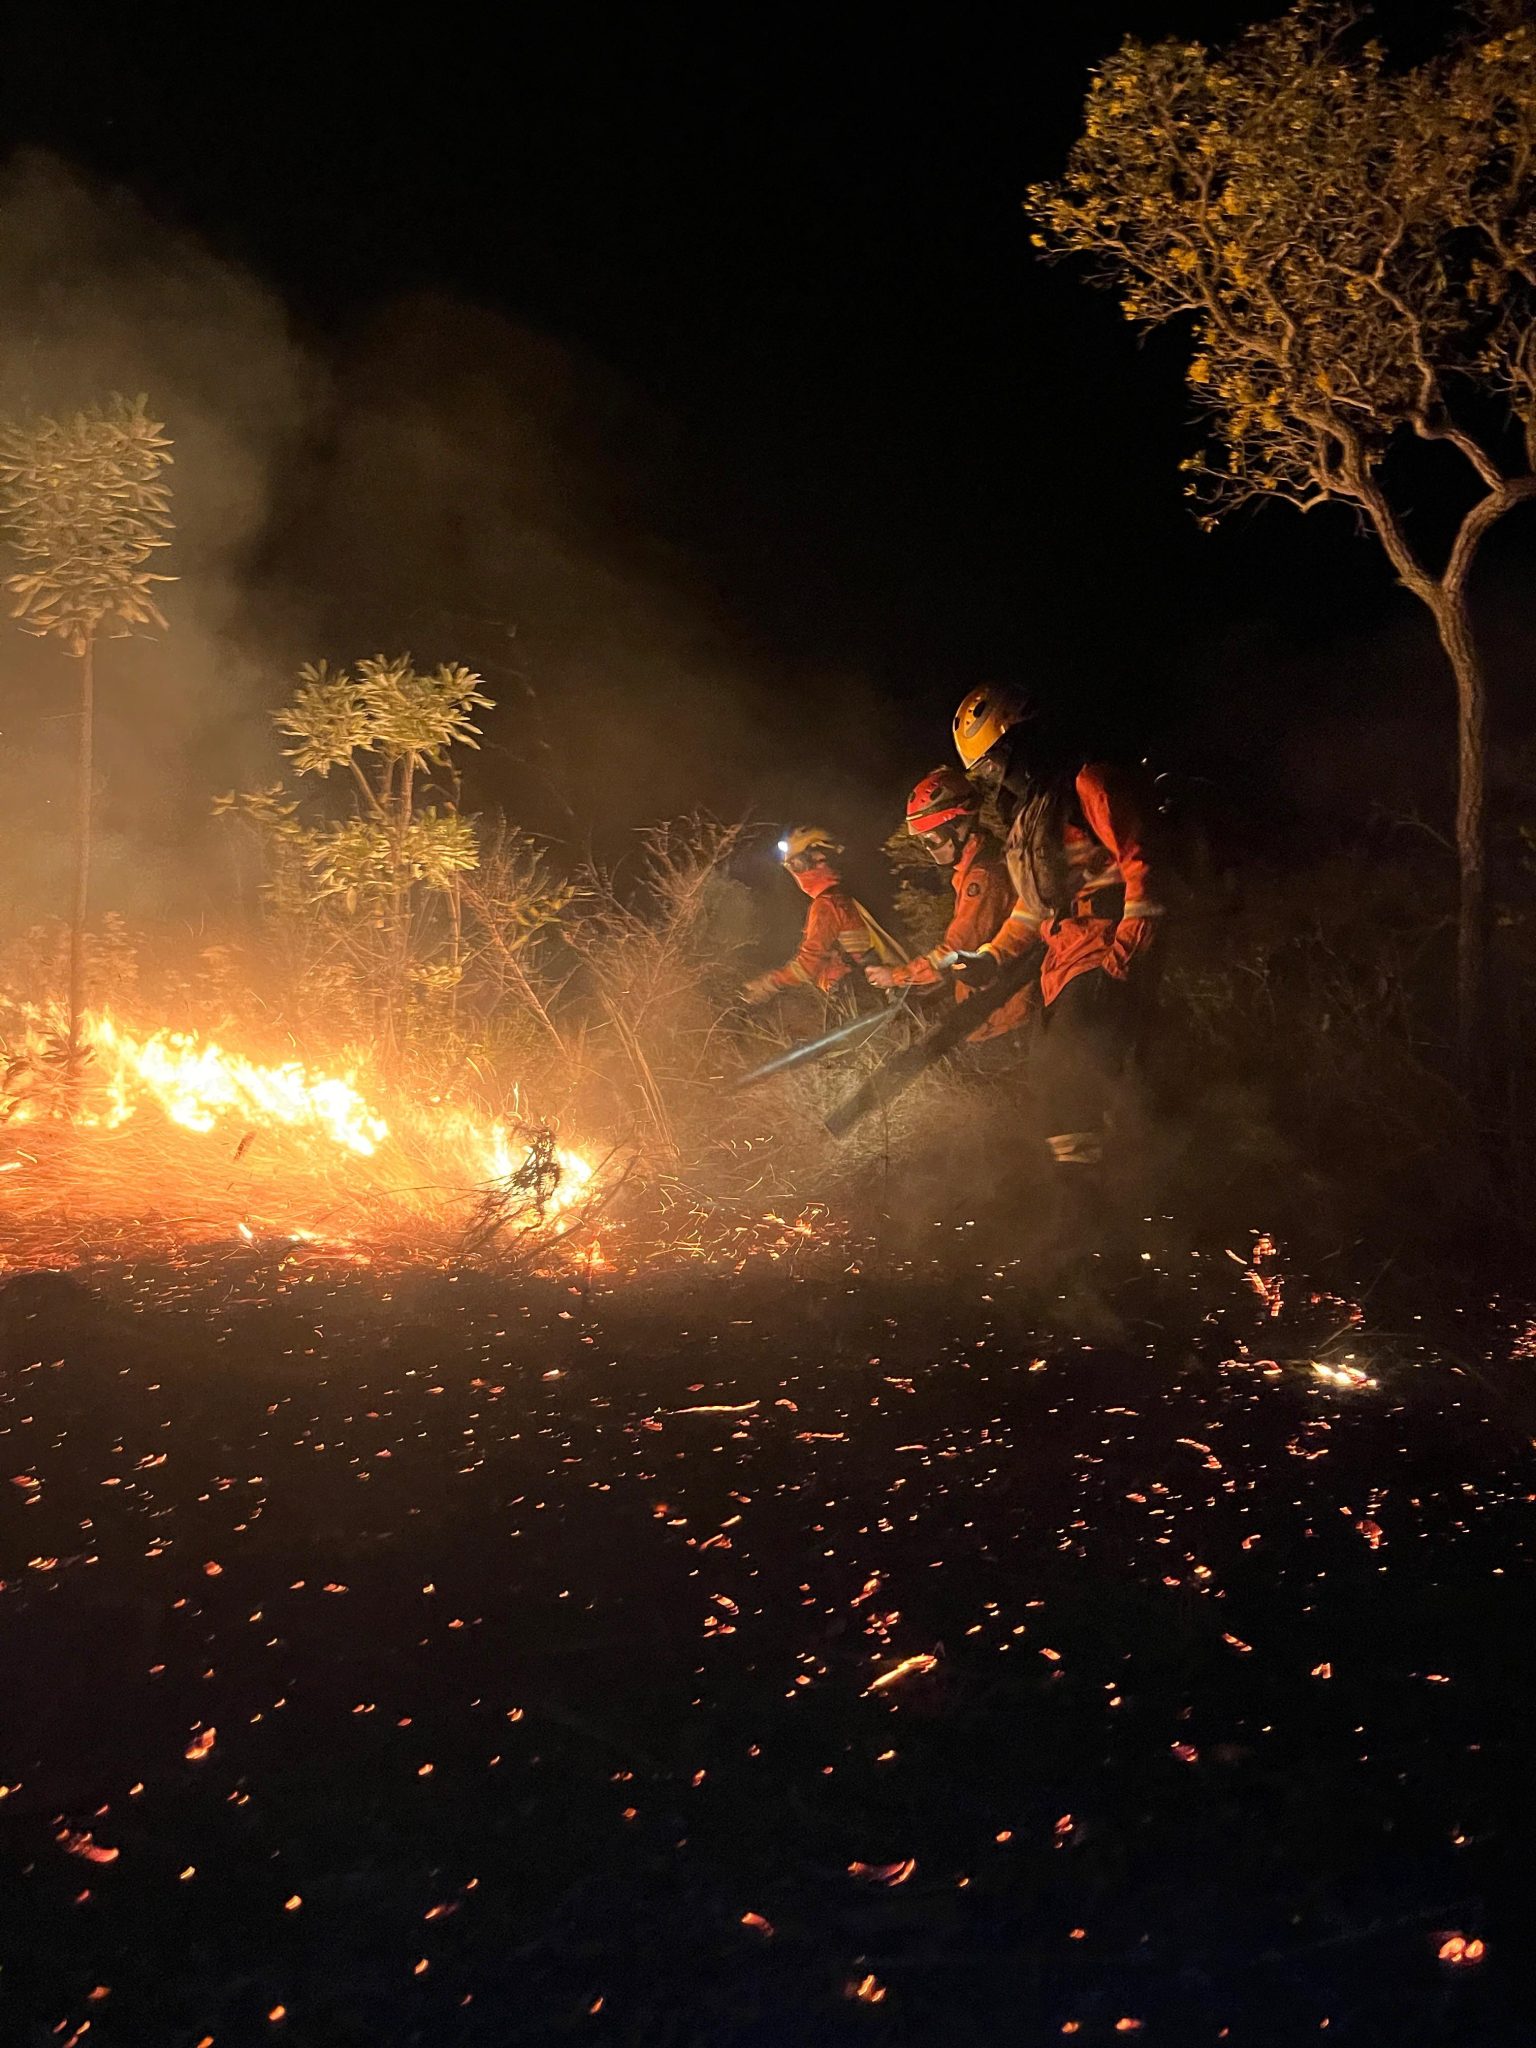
pixel 85 506
pixel 1354 249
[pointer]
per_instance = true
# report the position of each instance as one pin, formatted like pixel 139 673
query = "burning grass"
pixel 165 1143
pixel 574 1105
pixel 162 1136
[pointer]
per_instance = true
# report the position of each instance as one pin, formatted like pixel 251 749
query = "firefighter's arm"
pixel 1017 935
pixel 817 961
pixel 810 964
pixel 923 972
pixel 1115 816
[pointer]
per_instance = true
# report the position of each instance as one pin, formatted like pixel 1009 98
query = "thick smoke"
pixel 439 479
pixel 502 501
pixel 100 297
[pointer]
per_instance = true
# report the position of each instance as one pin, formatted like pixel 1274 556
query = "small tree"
pixel 1355 249
pixel 85 506
pixel 381 886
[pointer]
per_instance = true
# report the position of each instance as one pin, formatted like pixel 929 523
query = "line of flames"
pixel 326 1119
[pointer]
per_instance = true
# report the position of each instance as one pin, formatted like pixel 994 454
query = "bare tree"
pixel 85 507
pixel 1354 248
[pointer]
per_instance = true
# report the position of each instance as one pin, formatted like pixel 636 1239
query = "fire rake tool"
pixel 856 1032
pixel 897 1073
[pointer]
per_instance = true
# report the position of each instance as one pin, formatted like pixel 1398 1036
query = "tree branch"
pixel 1431 417
pixel 1489 471
pixel 1360 484
pixel 1474 529
pixel 362 783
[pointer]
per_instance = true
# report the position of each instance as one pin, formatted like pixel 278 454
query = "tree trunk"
pixel 83 771
pixel 403 906
pixel 1455 632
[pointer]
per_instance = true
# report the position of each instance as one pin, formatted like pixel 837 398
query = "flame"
pixel 163 1140
pixel 196 1084
pixel 297 1132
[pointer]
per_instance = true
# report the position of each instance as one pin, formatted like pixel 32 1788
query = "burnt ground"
pixel 484 1661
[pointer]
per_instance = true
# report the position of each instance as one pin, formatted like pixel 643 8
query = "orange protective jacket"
pixel 984 896
pixel 837 938
pixel 1083 881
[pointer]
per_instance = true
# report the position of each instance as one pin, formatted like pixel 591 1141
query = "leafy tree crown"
pixel 384 708
pixel 1354 246
pixel 86 505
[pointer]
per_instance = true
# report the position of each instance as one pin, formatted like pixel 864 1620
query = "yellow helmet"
pixel 984 716
pixel 803 839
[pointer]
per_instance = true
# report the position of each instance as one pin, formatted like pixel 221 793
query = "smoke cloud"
pixel 440 479
pixel 102 297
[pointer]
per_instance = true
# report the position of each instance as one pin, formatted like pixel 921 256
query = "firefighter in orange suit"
pixel 944 812
pixel 840 935
pixel 1086 897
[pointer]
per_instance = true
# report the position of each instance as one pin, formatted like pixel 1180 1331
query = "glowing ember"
pixel 1348 1378
pixel 1457 1949
pixel 904 1669
pixel 79 1842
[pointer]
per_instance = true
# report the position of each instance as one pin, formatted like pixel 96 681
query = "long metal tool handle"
pixel 852 1033
pixel 902 1068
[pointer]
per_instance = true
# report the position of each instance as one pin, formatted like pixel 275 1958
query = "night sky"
pixel 903 449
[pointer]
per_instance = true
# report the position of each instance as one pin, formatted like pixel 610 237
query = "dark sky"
pixel 907 449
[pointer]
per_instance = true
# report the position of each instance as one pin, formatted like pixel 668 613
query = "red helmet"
pixel 943 795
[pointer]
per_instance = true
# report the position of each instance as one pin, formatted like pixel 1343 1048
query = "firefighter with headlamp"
pixel 1085 897
pixel 840 936
pixel 944 815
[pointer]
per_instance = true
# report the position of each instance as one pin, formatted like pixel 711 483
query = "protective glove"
pixel 976 970
pixel 881 977
pixel 761 989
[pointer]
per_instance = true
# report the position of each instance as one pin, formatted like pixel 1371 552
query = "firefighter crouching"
pixel 840 935
pixel 1085 896
pixel 944 812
